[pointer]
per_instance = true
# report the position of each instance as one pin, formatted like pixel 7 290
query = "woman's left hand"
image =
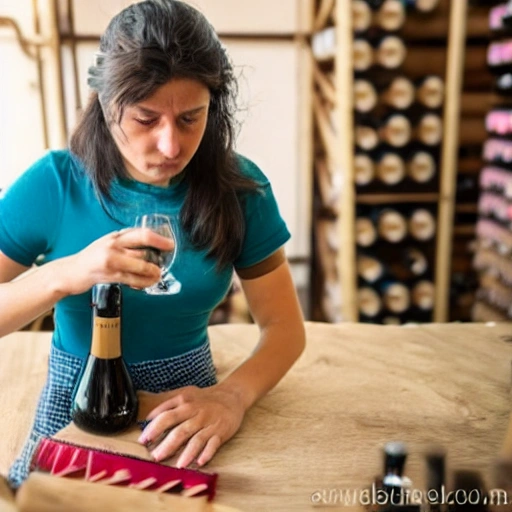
pixel 199 419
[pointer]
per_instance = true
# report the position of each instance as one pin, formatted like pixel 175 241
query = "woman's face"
pixel 159 136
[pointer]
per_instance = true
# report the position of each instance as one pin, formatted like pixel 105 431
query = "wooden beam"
pixel 345 150
pixel 454 73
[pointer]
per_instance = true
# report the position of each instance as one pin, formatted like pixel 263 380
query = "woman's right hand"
pixel 115 257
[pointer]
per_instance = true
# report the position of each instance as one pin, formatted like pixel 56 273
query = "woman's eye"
pixel 188 120
pixel 145 122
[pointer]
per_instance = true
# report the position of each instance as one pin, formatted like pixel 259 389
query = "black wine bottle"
pixel 104 401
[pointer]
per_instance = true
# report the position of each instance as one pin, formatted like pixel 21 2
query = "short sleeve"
pixel 265 229
pixel 29 212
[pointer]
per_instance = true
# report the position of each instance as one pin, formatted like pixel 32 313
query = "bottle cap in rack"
pixel 361 16
pixel 365 96
pixel 391 15
pixel 363 169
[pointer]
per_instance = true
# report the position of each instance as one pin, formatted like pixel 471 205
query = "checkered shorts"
pixel 194 368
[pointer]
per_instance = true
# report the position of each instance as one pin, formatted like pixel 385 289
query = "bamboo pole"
pixel 454 71
pixel 346 262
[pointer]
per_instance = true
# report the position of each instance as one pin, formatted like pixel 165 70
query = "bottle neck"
pixel 106 337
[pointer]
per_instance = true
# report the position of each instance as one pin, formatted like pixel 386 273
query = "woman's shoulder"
pixel 251 170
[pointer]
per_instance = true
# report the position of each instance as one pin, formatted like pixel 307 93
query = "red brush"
pixel 67 459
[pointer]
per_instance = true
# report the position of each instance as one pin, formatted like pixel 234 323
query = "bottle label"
pixel 106 338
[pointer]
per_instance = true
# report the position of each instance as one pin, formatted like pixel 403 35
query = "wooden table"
pixel 323 427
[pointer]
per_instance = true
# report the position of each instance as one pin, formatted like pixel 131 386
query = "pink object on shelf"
pixel 66 459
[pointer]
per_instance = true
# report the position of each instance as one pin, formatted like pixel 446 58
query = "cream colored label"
pixel 106 338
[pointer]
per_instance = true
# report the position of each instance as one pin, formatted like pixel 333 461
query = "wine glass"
pixel 163 225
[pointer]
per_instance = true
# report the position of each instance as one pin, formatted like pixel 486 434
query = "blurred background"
pixel 383 126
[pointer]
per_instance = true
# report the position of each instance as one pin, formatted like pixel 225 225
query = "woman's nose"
pixel 168 142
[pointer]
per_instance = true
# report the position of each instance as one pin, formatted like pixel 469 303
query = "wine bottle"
pixel 422 225
pixel 429 129
pixel 395 455
pixel 421 167
pixel 391 225
pixel 390 52
pixel 390 168
pixel 366 136
pixel 423 295
pixel 409 264
pixel 369 268
pixel 430 92
pixel 364 169
pixel 104 400
pixel 503 84
pixel 422 5
pixel 362 54
pixel 361 16
pixel 369 302
pixel 365 96
pixel 395 130
pixel 391 15
pixel 366 233
pixel 396 297
pixel 399 94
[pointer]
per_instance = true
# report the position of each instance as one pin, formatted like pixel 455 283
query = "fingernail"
pixel 155 454
pixel 143 439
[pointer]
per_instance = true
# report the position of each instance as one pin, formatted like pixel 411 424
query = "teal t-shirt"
pixel 53 211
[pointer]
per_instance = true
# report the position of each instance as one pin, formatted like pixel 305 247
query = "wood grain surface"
pixel 322 429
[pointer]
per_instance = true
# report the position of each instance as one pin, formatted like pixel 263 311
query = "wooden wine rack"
pixel 435 45
pixel 493 246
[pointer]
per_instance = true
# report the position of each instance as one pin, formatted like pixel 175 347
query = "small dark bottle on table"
pixel 104 400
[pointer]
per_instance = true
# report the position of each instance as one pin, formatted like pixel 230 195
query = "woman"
pixel 157 135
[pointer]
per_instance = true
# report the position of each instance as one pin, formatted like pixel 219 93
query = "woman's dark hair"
pixel 146 45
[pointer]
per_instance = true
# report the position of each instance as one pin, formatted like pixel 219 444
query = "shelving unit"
pixel 493 245
pixel 435 44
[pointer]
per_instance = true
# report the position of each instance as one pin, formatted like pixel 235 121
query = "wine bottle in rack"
pixel 391 225
pixel 421 167
pixel 399 94
pixel 429 129
pixel 361 16
pixel 423 6
pixel 369 303
pixel 388 52
pixel 430 91
pixel 369 268
pixel 396 297
pixel 422 224
pixel 423 295
pixel 390 168
pixel 364 169
pixel 365 96
pixel 391 15
pixel 104 401
pixel 366 234
pixel 395 130
pixel 408 265
pixel 503 84
pixel 366 136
